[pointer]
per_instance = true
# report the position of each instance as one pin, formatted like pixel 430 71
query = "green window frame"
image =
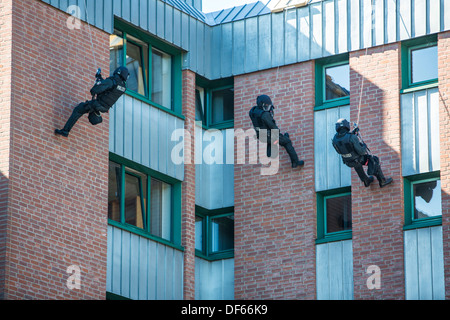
pixel 407 48
pixel 321 66
pixel 153 45
pixel 209 88
pixel 323 236
pixel 205 238
pixel 411 222
pixel 128 167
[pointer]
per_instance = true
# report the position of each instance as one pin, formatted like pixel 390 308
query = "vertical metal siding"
pixel 420 132
pixel 214 280
pixel 330 172
pixel 424 264
pixel 142 133
pixel 142 269
pixel 322 28
pixel 334 270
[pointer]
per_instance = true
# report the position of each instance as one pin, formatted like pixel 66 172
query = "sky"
pixel 216 5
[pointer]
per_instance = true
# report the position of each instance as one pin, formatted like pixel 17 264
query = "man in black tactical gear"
pixel 105 94
pixel 262 118
pixel 355 154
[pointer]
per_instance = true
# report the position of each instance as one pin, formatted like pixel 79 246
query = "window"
pixel 141 202
pixel 332 82
pixel 214 233
pixel 419 63
pixel 214 103
pixel 154 66
pixel 334 209
pixel 423 202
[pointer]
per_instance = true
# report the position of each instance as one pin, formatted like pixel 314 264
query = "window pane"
pixel 427 199
pixel 161 78
pixel 135 65
pixel 222 107
pixel 114 191
pixel 198 233
pixel 115 51
pixel 424 64
pixel 199 104
pixel 222 233
pixel 161 209
pixel 339 214
pixel 337 82
pixel 134 193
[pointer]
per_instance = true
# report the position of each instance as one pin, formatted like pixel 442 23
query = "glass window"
pixel 161 78
pixel 199 233
pixel 134 200
pixel 114 177
pixel 424 64
pixel 338 213
pixel 222 105
pixel 337 81
pixel 115 51
pixel 137 57
pixel 161 209
pixel 200 100
pixel 427 199
pixel 222 233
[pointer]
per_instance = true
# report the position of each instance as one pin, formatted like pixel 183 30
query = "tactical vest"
pixel 256 117
pixel 345 148
pixel 110 97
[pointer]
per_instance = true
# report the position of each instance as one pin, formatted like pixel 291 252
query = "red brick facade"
pixel 444 119
pixel 46 232
pixel 188 198
pixel 378 214
pixel 275 218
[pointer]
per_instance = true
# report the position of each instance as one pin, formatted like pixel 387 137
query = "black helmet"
pixel 342 123
pixel 122 72
pixel 263 100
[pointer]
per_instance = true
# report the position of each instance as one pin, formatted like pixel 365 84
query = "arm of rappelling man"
pixel 104 85
pixel 360 147
pixel 270 123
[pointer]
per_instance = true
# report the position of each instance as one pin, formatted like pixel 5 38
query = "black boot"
pixel 62 132
pixel 382 181
pixel 368 181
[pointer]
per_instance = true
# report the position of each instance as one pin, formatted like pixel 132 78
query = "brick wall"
pixel 188 197
pixel 57 214
pixel 5 111
pixel 275 219
pixel 378 214
pixel 444 119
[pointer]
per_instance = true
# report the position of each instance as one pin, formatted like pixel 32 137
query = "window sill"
pixel 420 86
pixel 148 101
pixel 425 223
pixel 333 103
pixel 143 233
pixel 229 254
pixel 334 238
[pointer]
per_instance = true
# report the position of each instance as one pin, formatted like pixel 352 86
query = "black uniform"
pixel 105 94
pixel 263 119
pixel 355 155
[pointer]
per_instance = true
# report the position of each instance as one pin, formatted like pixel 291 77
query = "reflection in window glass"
pixel 424 64
pixel 427 199
pixel 161 78
pixel 134 200
pixel 337 82
pixel 222 108
pixel 200 104
pixel 135 65
pixel 222 233
pixel 339 214
pixel 199 233
pixel 161 209
pixel 114 191
pixel 115 51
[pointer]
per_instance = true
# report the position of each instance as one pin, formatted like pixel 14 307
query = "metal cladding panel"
pixel 326 158
pixel 142 133
pixel 334 270
pixel 141 269
pixel 323 28
pixel 214 280
pixel 420 132
pixel 424 264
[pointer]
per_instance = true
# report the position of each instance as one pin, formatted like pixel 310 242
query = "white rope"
pixel 90 32
pixel 360 94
